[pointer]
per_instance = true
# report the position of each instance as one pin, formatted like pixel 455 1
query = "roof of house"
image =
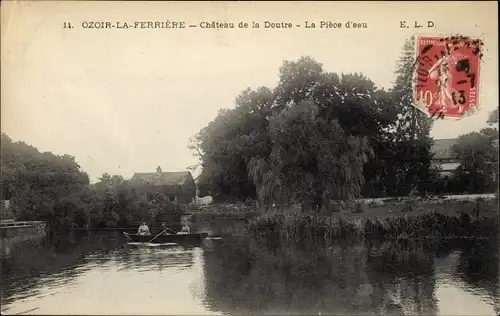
pixel 442 148
pixel 163 178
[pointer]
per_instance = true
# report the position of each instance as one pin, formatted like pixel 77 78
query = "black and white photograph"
pixel 249 158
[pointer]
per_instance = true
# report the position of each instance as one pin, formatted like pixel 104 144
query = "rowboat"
pixel 167 238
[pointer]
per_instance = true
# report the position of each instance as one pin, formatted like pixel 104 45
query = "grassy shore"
pixel 453 206
pixel 221 211
pixel 392 219
pixel 430 225
pixel 452 219
pixel 379 208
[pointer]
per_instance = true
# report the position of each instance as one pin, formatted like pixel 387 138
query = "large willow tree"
pixel 306 141
pixel 317 160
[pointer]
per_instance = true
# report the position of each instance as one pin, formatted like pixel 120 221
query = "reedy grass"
pixel 301 225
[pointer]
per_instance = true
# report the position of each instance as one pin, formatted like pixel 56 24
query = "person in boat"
pixel 143 229
pixel 185 230
pixel 164 227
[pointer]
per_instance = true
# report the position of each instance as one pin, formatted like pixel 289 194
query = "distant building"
pixel 444 157
pixel 179 187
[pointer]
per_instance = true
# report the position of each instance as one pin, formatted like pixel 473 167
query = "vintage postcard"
pixel 239 157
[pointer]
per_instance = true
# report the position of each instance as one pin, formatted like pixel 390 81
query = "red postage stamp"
pixel 447 76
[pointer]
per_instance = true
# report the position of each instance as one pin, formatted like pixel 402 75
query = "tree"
pixel 108 179
pixel 316 159
pixel 34 181
pixel 228 143
pixel 412 142
pixel 478 152
pixel 244 152
pixel 44 186
pixel 478 158
pixel 354 101
pixel 493 117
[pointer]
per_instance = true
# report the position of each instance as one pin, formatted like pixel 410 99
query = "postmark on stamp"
pixel 447 76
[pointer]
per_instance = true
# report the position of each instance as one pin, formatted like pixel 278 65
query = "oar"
pixel 127 236
pixel 159 234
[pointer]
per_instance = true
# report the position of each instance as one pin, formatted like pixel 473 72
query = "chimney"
pixel 158 171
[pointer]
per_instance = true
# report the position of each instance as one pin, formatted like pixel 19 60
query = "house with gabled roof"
pixel 178 186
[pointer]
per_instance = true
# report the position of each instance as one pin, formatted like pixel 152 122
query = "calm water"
pixel 99 273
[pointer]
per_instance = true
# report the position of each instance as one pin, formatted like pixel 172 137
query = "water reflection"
pixel 474 274
pixel 154 258
pixel 99 273
pixel 378 278
pixel 220 227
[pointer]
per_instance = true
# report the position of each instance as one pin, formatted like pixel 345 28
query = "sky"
pixel 128 100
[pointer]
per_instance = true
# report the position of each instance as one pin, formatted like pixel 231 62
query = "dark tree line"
pixel 478 152
pixel 44 186
pixel 320 136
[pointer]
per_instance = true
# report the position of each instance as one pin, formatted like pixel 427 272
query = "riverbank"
pixel 459 219
pixel 452 205
pixel 439 217
pixel 436 199
pixel 222 211
pixel 482 204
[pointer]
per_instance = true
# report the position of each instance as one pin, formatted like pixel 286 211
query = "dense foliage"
pixel 318 136
pixel 299 226
pixel 33 181
pixel 315 138
pixel 44 186
pixel 478 152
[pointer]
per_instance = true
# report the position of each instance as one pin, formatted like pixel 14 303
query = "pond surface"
pixel 98 273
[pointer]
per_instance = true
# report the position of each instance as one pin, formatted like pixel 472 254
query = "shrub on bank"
pixel 297 225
